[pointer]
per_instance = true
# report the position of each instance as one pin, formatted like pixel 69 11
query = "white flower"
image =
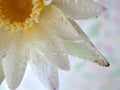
pixel 43 33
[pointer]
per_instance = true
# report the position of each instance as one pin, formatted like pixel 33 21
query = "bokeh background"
pixel 104 32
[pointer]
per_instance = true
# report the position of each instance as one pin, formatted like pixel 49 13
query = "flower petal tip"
pixel 54 88
pixel 107 64
pixel 66 68
pixel 102 10
pixel 11 89
pixel 104 63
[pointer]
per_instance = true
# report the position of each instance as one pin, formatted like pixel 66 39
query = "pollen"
pixel 19 14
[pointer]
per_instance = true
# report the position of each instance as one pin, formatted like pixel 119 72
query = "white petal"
pixel 51 48
pixel 46 72
pixel 1 73
pixel 79 9
pixel 14 65
pixel 86 49
pixel 54 21
pixel 5 40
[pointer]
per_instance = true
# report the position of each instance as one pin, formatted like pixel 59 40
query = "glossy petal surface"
pixel 50 47
pixel 79 9
pixel 54 21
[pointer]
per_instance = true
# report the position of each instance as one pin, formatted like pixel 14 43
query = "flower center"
pixel 17 10
pixel 19 14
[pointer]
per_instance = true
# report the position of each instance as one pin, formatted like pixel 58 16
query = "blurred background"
pixel 104 32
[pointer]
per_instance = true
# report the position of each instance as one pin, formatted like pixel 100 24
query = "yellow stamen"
pixel 19 14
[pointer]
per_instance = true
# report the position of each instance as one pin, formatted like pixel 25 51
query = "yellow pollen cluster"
pixel 19 14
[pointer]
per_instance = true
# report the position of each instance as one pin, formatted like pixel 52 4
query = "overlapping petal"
pixel 50 47
pixel 54 21
pixel 46 72
pixel 15 62
pixel 86 49
pixel 79 9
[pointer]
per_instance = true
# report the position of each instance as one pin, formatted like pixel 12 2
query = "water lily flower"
pixel 43 33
